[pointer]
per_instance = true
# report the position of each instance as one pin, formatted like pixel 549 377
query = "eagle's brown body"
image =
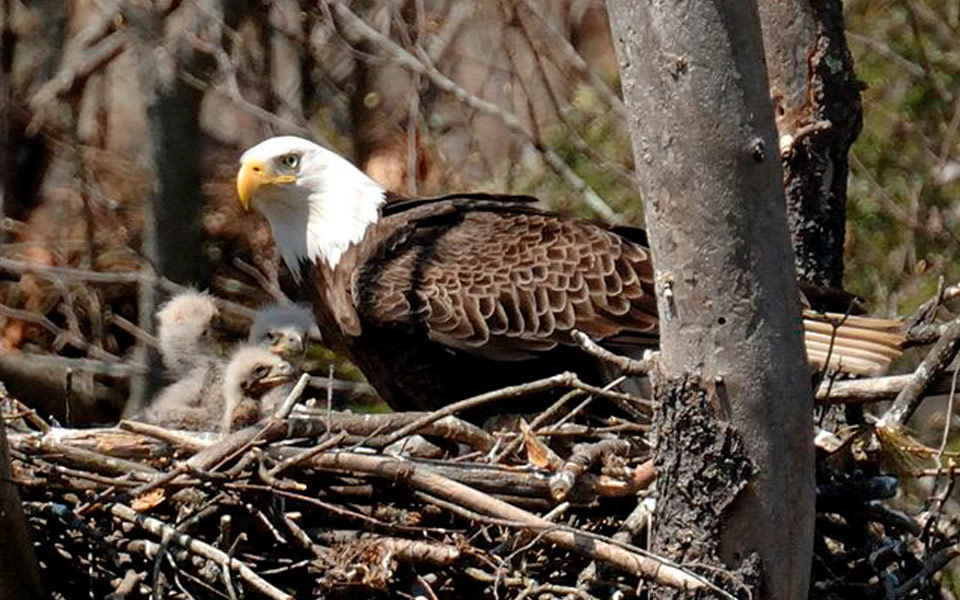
pixel 445 298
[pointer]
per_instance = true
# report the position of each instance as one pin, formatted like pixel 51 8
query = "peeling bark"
pixel 703 463
pixel 816 96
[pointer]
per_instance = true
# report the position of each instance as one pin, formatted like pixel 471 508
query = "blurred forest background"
pixel 122 123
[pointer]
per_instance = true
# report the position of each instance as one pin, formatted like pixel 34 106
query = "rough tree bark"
pixel 816 96
pixel 19 576
pixel 734 436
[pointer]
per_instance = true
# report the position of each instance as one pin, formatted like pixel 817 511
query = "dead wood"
pixel 939 356
pixel 327 469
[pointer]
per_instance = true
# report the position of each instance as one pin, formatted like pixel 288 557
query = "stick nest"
pixel 322 503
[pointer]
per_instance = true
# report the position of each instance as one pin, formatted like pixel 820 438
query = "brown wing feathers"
pixel 505 284
pixel 502 280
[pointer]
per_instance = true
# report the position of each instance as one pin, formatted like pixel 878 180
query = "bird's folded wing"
pixel 852 344
pixel 505 285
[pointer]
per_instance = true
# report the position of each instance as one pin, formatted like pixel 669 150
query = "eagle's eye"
pixel 261 371
pixel 290 161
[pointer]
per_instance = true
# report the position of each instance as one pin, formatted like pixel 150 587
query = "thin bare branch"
pixel 357 29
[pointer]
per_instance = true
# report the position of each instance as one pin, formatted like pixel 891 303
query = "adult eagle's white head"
pixel 317 203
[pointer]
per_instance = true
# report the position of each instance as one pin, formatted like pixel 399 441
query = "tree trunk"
pixel 19 576
pixel 733 431
pixel 174 240
pixel 816 96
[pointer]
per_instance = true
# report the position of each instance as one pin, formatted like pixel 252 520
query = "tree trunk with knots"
pixel 733 433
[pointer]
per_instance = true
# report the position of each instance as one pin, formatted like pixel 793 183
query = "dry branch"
pixel 70 274
pixel 935 361
pixel 649 567
pixel 358 29
pixel 876 389
pixel 168 533
pixel 628 366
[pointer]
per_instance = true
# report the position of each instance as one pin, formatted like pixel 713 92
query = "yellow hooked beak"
pixel 254 175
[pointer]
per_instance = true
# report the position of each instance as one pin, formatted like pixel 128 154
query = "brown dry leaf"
pixel 538 454
pixel 147 501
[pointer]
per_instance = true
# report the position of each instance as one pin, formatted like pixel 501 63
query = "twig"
pixel 283 411
pixel 306 455
pixel 175 438
pixel 562 43
pixel 877 389
pixel 932 566
pixel 303 538
pixel 70 337
pixel 88 459
pixel 515 391
pixel 268 286
pixel 161 529
pixel 352 388
pixel 927 311
pixel 133 329
pixel 371 425
pixel 912 394
pixel 533 587
pixel 415 551
pixel 358 29
pixel 514 444
pixel 134 277
pixel 949 415
pixel 628 365
pixel 23 412
pixel 583 457
pixel 88 51
pixel 86 365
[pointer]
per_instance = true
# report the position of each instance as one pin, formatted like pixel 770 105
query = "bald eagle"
pixel 440 298
pixel 284 329
pixel 187 330
pixel 226 394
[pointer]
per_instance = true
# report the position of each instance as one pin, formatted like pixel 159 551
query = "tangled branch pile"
pixel 335 503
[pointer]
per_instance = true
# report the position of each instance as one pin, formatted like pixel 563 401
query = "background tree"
pixel 816 98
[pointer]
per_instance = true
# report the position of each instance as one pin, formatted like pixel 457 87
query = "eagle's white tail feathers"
pixel 853 345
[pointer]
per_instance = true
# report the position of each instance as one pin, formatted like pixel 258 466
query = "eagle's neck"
pixel 324 216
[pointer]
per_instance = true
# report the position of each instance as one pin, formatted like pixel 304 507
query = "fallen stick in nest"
pixel 370 427
pixel 878 389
